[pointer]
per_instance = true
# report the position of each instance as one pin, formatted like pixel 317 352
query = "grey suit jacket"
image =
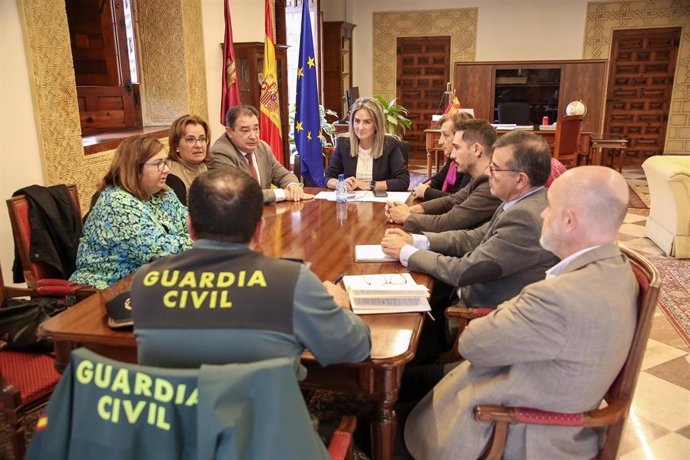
pixel 224 154
pixel 491 263
pixel 557 346
pixel 469 207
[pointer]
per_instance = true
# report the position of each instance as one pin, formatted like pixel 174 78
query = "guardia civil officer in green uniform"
pixel 222 302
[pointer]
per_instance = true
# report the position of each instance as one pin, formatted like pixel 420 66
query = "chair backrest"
pixel 566 142
pixel 513 112
pixel 621 391
pixel 18 207
pixel 178 187
pixel 250 411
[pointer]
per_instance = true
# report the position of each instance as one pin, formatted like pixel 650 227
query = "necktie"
pixel 451 176
pixel 252 169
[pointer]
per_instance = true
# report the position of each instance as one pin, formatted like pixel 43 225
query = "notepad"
pixel 386 293
pixel 371 253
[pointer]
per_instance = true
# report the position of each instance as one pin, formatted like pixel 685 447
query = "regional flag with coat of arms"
pixel 230 90
pixel 269 122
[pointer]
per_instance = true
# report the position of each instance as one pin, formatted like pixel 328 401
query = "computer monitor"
pixel 351 95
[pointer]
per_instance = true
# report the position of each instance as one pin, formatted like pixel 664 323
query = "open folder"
pixel 386 293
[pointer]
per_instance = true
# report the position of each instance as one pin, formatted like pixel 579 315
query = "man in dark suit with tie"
pixel 240 147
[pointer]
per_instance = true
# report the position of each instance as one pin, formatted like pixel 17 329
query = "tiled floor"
pixel 658 426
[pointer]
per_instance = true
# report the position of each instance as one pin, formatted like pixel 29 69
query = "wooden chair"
pixel 41 277
pixel 566 143
pixel 619 396
pixel 26 382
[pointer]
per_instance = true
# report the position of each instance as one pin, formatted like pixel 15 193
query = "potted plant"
pixel 395 117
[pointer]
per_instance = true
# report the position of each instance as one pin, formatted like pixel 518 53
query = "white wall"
pixel 20 162
pixel 507 30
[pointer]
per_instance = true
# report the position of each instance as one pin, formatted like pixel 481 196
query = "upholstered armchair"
pixel 668 225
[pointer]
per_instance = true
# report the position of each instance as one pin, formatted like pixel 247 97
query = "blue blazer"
pixel 391 166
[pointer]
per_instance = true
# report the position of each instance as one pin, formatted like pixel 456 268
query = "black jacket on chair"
pixel 55 230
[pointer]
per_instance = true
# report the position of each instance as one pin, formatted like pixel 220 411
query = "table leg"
pixel 383 426
pixel 620 153
pixel 595 155
pixel 63 352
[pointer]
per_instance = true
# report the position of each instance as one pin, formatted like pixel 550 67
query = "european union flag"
pixel 307 120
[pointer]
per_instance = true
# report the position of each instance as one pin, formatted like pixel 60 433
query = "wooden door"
pixel 423 70
pixel 108 98
pixel 643 62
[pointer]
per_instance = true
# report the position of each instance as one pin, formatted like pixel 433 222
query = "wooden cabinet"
pixel 250 63
pixel 548 86
pixel 337 64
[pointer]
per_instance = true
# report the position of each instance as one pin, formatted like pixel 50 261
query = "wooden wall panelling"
pixel 474 85
pixel 585 81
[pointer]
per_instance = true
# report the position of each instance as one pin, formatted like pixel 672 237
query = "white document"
pixel 371 253
pixel 370 294
pixel 365 196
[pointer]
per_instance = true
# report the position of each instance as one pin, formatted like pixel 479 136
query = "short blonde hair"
pixel 177 131
pixel 126 167
pixel 456 118
pixel 375 111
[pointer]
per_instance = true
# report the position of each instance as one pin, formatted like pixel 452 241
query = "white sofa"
pixel 668 177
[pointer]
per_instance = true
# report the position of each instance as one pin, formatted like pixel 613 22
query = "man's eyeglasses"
pixel 160 164
pixel 380 280
pixel 191 140
pixel 494 169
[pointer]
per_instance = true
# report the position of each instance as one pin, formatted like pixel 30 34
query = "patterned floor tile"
pixel 675 371
pixel 662 402
pixel 659 353
pixel 633 230
pixel 664 332
pixel 669 447
pixel 639 432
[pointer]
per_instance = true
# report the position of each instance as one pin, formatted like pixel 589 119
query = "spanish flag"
pixel 42 423
pixel 453 106
pixel 270 102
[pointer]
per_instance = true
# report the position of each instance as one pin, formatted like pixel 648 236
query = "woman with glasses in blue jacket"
pixel 135 218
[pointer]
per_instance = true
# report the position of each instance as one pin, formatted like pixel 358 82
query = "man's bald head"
pixel 586 208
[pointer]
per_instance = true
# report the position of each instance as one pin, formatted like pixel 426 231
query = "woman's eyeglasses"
pixel 160 164
pixel 191 140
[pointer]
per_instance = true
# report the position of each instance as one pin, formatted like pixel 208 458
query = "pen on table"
pixel 338 279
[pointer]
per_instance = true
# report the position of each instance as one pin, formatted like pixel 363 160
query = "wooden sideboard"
pixel 476 86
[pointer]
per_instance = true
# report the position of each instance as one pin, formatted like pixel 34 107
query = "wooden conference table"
pixel 316 232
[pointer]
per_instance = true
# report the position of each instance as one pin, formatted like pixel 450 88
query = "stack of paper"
pixel 371 253
pixel 386 293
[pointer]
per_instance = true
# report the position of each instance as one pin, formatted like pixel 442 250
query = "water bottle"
pixel 341 213
pixel 341 190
